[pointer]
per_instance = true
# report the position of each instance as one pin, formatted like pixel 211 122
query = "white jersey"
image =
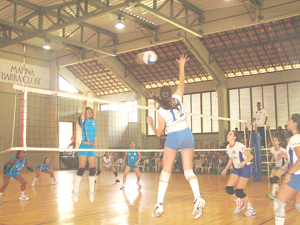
pixel 292 157
pixel 260 117
pixel 107 162
pixel 175 119
pixel 278 162
pixel 236 153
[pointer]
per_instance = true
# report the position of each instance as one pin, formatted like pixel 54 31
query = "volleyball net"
pixel 47 120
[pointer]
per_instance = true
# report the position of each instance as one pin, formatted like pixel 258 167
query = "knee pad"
pixel 188 174
pixel 240 193
pixel 164 176
pixel 229 190
pixel 297 206
pixel 279 208
pixel 92 171
pixel 274 180
pixel 98 172
pixel 116 174
pixel 80 172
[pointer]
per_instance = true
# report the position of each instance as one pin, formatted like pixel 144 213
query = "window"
pixel 64 85
pixel 131 111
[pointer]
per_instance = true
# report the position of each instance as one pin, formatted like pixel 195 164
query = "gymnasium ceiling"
pixel 223 38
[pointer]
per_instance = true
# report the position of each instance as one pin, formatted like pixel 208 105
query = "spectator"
pixel 260 119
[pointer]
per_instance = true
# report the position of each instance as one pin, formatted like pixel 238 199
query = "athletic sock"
pixel 34 180
pixel 22 193
pixel 274 188
pixel 279 220
pixel 195 187
pixel 77 183
pixel 1 194
pixel 92 184
pixel 162 188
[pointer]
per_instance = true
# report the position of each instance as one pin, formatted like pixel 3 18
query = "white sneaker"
pixel 52 183
pixel 239 208
pixel 198 207
pixel 140 186
pixel 122 188
pixel 75 196
pixel 33 185
pixel 271 196
pixel 158 210
pixel 250 212
pixel 92 196
pixel 23 198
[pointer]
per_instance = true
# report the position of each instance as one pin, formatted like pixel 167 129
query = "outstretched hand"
pixel 182 59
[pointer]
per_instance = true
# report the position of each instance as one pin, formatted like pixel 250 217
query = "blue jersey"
pixel 131 158
pixel 88 129
pixel 45 167
pixel 16 166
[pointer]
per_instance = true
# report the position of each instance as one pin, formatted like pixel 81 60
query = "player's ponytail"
pixel 165 99
pixel 296 118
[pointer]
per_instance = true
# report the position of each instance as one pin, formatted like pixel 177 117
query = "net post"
pixel 24 118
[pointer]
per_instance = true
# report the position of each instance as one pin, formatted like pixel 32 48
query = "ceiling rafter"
pixel 170 18
pixel 62 22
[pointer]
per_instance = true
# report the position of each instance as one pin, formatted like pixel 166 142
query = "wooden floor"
pixel 55 205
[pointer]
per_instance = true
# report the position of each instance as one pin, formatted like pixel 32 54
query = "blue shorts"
pixel 295 182
pixel 243 172
pixel 278 168
pixel 180 139
pixel 13 175
pixel 85 153
pixel 132 166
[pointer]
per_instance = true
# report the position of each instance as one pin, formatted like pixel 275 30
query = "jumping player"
pixel 240 158
pixel 290 186
pixel 11 169
pixel 88 129
pixel 279 156
pixel 107 162
pixel 44 167
pixel 131 160
pixel 171 117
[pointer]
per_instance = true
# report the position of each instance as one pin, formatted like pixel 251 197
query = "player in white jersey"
pixel 240 157
pixel 171 117
pixel 107 164
pixel 291 181
pixel 279 156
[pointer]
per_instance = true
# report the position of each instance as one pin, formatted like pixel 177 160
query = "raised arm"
pixel 95 110
pixel 82 116
pixel 181 62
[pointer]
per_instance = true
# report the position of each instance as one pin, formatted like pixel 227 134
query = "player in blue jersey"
pixel 88 129
pixel 240 157
pixel 172 118
pixel 44 167
pixel 131 160
pixel 11 169
pixel 290 187
pixel 281 165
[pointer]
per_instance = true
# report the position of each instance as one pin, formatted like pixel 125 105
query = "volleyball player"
pixel 44 167
pixel 240 158
pixel 11 169
pixel 88 129
pixel 172 118
pixel 279 156
pixel 131 160
pixel 107 162
pixel 291 181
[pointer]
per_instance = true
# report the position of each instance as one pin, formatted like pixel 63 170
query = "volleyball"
pixel 148 57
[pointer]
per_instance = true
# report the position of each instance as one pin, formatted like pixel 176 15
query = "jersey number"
pixel 173 114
